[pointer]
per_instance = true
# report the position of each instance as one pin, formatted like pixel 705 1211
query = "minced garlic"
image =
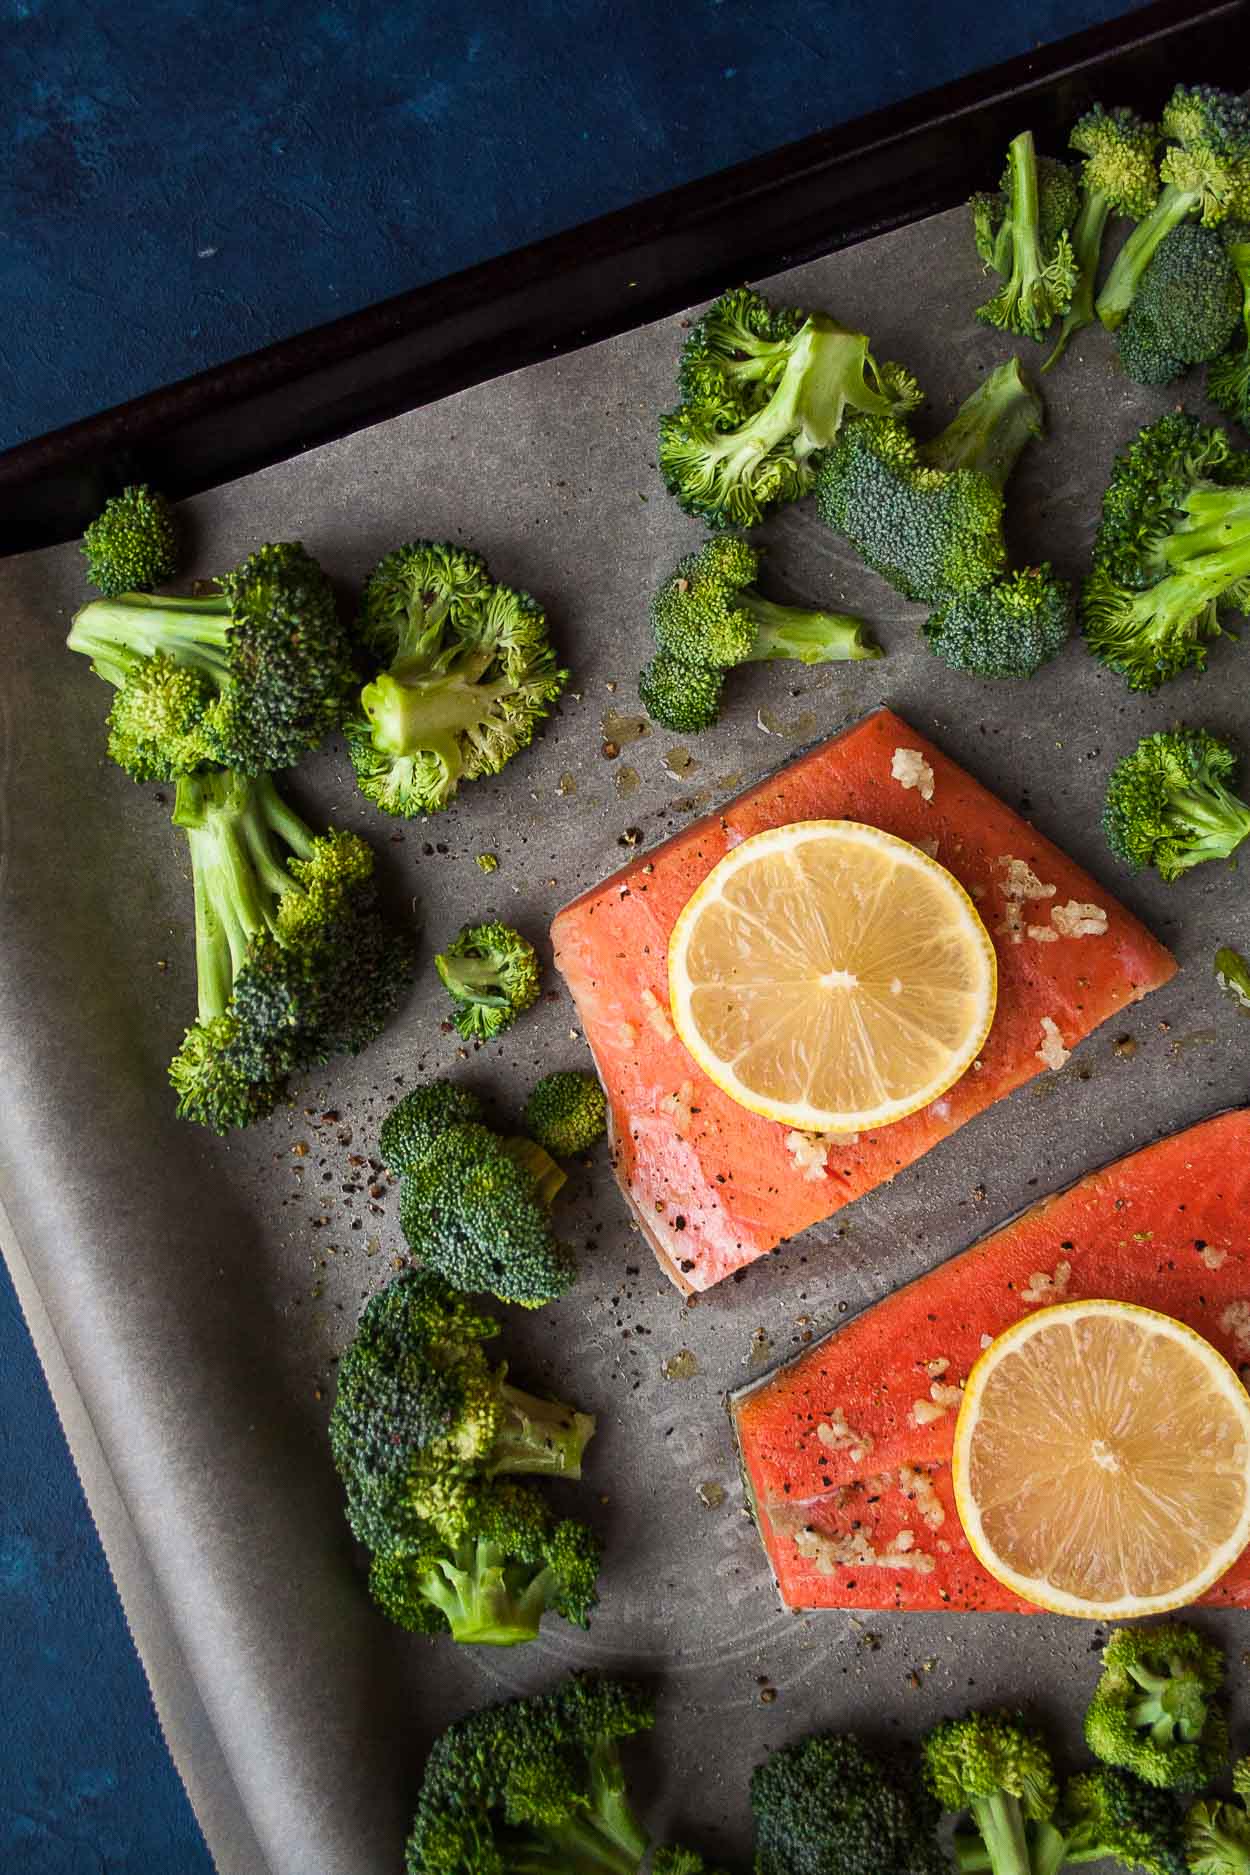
pixel 1042 934
pixel 678 1105
pixel 1019 886
pixel 926 1413
pixel 1235 1321
pixel 909 768
pixel 1213 1258
pixel 917 1485
pixel 1052 1052
pixel 1076 920
pixel 809 1154
pixel 657 1015
pixel 1044 1288
pixel 839 1437
pixel 851 1549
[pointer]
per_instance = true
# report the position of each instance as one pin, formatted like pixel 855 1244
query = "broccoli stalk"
pixel 1101 1816
pixel 294 962
pixel 1038 253
pixel 250 678
pixel 534 1785
pixel 1228 377
pixel 1119 176
pixel 470 673
pixel 1206 174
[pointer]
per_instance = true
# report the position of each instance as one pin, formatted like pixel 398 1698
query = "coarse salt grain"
pixel 909 768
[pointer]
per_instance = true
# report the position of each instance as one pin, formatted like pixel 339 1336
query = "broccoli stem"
pixel 1001 1823
pixel 231 824
pixel 537 1161
pixel 577 1848
pixel 804 637
pixel 429 714
pixel 1087 236
pixel 113 633
pixel 1207 809
pixel 1173 206
pixel 990 428
pixel 1047 1850
pixel 539 1436
pixel 480 1605
pixel 610 1802
pixel 1024 220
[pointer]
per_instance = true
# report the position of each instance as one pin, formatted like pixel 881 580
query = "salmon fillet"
pixel 713 1186
pixel 835 1465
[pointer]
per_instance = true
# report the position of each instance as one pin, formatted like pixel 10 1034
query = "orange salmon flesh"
pixel 836 1468
pixel 713 1186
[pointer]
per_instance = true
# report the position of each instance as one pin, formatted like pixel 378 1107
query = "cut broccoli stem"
pixel 1173 206
pixel 804 637
pixel 990 428
pixel 1001 1822
pixel 611 1806
pixel 480 1604
pixel 1175 1705
pixel 407 716
pixel 1087 237
pixel 113 633
pixel 542 1437
pixel 578 1848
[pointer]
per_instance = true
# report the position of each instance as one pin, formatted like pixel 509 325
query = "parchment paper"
pixel 199 1289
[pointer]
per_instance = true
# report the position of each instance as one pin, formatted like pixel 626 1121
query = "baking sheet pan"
pixel 199 1289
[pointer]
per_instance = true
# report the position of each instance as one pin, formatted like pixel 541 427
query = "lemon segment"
pixel 1102 1461
pixel 831 977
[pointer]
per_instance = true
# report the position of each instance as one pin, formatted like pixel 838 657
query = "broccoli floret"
pixel 1007 629
pixel 1102 1816
pixel 929 517
pixel 422 1430
pixel 534 1784
pixel 1119 176
pixel 295 962
pixel 826 1803
pixel 132 545
pixel 708 612
pixel 469 673
pixel 1217 1835
pixel 491 1588
pixel 683 697
pixel 1232 973
pixel 1172 551
pixel 249 679
pixel 567 1112
pixel 999 1769
pixel 471 1211
pixel 1185 310
pixel 1206 176
pixel 491 974
pixel 1028 242
pixel 729 457
pixel 1170 803
pixel 1156 1711
pixel 1228 378
pixel 415 1122
pixel 734 355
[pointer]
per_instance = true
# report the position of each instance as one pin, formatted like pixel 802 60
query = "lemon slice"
pixel 831 977
pixel 1102 1461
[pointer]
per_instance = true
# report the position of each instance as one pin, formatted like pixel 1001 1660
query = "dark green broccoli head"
pixel 535 1784
pixel 249 680
pixel 1009 628
pixel 1228 377
pixel 1156 1711
pixel 827 1803
pixel 733 355
pixel 1187 307
pixel 471 1212
pixel 928 532
pixel 567 1112
pixel 492 976
pixel 132 545
pixel 730 461
pixel 1170 804
pixel 1109 1816
pixel 707 612
pixel 471 672
pixel 1120 151
pixel 515 1562
pixel 683 697
pixel 422 1116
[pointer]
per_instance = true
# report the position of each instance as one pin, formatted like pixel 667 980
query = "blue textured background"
pixel 181 182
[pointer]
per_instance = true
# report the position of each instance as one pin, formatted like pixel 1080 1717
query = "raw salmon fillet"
pixel 835 1465
pixel 713 1186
